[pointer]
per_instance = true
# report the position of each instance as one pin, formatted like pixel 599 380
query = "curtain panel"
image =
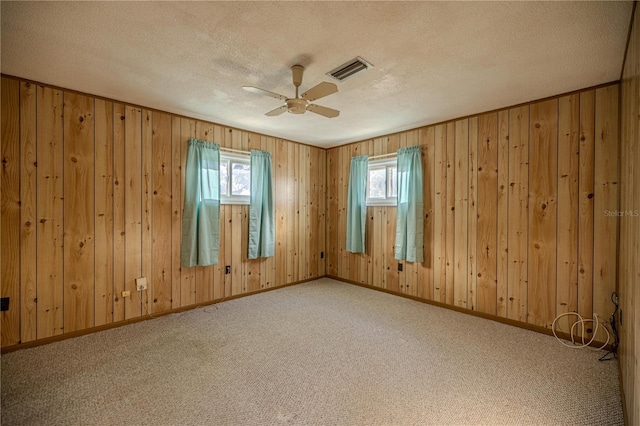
pixel 410 218
pixel 357 204
pixel 201 214
pixel 261 207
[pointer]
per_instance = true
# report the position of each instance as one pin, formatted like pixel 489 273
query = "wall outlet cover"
pixel 141 283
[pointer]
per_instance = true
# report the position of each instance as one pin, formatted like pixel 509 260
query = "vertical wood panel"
pixel 119 223
pixel 440 214
pixel 79 253
pixel 393 276
pixel 425 275
pixel 161 246
pixel 28 163
pixel 487 237
pixel 472 297
pixel 147 211
pixel 281 211
pixel 568 163
pixel 322 212
pixel 461 182
pixel 450 215
pixel 133 209
pixel 104 213
pixel 50 205
pixel 302 210
pixel 518 227
pixel 542 212
pixel 585 204
pixel 176 211
pixel 605 201
pixel 10 211
pixel 219 277
pixel 502 222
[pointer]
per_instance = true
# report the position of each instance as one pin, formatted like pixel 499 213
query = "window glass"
pixel 382 182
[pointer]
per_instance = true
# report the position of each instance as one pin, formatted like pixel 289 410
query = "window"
pixel 382 182
pixel 235 178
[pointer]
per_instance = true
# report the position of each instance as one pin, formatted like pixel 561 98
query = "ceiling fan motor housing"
pixel 296 106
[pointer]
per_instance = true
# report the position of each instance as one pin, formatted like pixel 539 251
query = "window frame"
pixel 386 163
pixel 231 158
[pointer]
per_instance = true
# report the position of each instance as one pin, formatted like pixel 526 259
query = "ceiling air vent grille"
pixel 349 69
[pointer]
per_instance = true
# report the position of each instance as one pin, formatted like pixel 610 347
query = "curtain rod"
pixel 239 151
pixel 383 155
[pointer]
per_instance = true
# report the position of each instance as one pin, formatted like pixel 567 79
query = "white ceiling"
pixel 433 61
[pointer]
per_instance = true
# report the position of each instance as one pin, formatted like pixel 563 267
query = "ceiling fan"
pixel 301 104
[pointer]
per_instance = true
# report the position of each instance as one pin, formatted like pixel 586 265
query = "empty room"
pixel 320 213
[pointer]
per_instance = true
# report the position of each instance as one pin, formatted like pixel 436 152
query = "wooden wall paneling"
pixel 628 270
pixel 518 226
pixel 353 259
pixel 605 201
pixel 176 210
pixel 281 190
pixel 585 204
pixel 425 271
pixel 133 208
pixel 104 212
pixel 227 224
pixel 487 239
pixel 440 213
pixel 313 194
pixel 472 286
pixel 402 276
pixel 461 212
pixel 332 217
pixel 568 163
pixel 292 212
pixel 393 276
pixel 10 211
pixel 28 195
pixel 345 165
pixel 302 210
pixel 160 283
pixel 79 231
pixel 49 219
pixel 503 214
pixel 370 229
pixel 188 285
pixel 450 215
pixel 543 151
pixel 244 231
pixel 322 212
pixel 119 224
pixel 204 274
pixel 147 211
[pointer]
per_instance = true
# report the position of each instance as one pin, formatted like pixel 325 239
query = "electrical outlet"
pixel 126 293
pixel 141 283
pixel 227 269
pixel 399 267
pixel 321 255
pixel 4 304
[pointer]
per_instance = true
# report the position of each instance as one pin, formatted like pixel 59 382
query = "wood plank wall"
pixel 514 211
pixel 628 266
pixel 92 199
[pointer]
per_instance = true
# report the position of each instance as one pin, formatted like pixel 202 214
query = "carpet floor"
pixel 319 353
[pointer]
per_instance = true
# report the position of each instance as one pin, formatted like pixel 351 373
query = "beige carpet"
pixel 320 353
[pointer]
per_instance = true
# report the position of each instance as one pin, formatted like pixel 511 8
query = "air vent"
pixel 349 69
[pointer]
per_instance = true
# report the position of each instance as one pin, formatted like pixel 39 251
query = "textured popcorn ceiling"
pixel 433 61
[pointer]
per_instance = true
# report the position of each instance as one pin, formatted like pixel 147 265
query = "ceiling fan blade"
pixel 277 111
pixel 320 91
pixel 264 92
pixel 324 111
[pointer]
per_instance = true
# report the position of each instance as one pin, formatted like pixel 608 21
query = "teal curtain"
pixel 201 214
pixel 261 207
pixel 409 219
pixel 357 204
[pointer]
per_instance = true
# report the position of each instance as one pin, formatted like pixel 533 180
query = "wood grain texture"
pixel 487 238
pixel 50 210
pixel 450 226
pixel 119 226
pixel 461 214
pixel 104 212
pixel 10 211
pixel 472 213
pixel 629 222
pixel 543 164
pixel 28 199
pixel 425 273
pixel 176 211
pixel 79 223
pixel 188 276
pixel 440 214
pixel 146 269
pixel 502 221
